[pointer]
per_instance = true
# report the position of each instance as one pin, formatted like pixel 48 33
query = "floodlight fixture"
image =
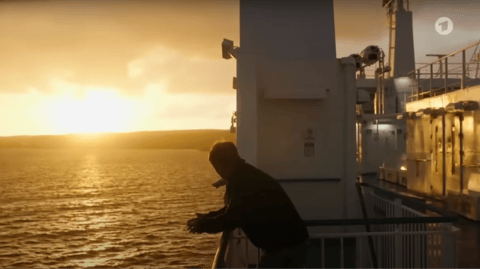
pixel 370 55
pixel 229 50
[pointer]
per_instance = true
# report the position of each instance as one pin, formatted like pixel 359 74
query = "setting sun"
pixel 96 111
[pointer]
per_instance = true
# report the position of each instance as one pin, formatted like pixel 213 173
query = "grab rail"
pixel 218 261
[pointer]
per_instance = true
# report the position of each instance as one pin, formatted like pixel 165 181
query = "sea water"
pixel 105 208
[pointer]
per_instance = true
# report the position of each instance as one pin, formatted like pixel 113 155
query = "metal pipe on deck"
pixel 367 226
pixel 444 171
pixel 418 84
pixel 463 70
pixel 431 80
pixel 460 136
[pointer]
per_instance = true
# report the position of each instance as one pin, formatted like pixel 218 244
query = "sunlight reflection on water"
pixel 112 208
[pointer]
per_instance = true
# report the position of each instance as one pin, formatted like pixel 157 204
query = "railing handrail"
pixel 444 218
pixel 441 59
pixel 365 234
pixel 401 220
pixel 410 210
pixel 412 200
pixel 437 229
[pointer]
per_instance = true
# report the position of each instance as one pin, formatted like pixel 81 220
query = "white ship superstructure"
pixel 296 120
pixel 422 132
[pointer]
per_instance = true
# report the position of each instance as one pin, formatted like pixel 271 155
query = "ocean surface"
pixel 106 208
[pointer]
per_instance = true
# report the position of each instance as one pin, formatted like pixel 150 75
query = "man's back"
pixel 268 218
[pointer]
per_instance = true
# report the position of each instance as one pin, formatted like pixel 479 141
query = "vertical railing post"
pixel 323 252
pixel 431 80
pixel 377 95
pixel 416 247
pixel 360 251
pixel 398 237
pixel 367 226
pixel 463 70
pixel 448 246
pixel 342 253
pixel 246 251
pixel 219 260
pixel 446 74
pixel 440 68
pixel 412 79
pixel 418 84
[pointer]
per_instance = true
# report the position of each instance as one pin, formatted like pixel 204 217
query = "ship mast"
pixel 401 57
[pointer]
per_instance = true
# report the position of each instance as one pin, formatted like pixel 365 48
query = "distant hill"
pixel 182 139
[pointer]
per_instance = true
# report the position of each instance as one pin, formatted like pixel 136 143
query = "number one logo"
pixel 444 26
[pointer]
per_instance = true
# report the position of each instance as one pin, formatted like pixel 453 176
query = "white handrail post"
pixel 398 237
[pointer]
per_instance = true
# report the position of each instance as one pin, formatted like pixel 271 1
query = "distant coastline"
pixel 182 139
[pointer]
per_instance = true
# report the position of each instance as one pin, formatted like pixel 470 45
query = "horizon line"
pixel 113 132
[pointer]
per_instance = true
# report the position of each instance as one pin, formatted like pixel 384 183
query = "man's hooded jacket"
pixel 258 205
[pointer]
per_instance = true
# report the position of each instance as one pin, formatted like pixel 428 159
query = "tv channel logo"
pixel 444 26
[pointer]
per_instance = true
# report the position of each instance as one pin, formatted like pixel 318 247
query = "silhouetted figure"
pixel 258 205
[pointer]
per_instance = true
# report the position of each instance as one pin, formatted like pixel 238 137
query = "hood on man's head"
pixel 223 153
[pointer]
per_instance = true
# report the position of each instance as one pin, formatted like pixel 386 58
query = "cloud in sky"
pixel 93 42
pixel 162 59
pixel 182 74
pixel 96 42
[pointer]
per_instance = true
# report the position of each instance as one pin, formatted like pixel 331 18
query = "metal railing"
pixel 219 260
pixel 445 75
pixel 402 237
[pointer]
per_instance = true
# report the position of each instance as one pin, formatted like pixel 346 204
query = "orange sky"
pixel 94 66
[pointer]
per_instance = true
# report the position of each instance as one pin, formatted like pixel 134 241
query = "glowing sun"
pixel 97 111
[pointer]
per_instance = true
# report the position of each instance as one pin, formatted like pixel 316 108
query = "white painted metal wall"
pixel 296 105
pixel 289 81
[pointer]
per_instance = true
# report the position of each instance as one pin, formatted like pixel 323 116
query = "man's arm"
pixel 213 214
pixel 231 218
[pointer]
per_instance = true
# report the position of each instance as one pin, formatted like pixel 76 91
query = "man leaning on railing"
pixel 258 205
